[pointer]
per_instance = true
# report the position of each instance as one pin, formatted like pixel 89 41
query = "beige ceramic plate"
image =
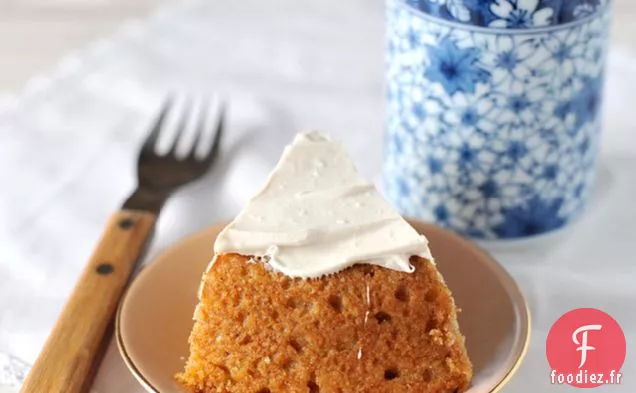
pixel 155 317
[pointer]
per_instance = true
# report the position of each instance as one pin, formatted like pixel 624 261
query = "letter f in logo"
pixel 583 344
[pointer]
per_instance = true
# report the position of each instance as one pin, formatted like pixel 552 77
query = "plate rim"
pixel 147 385
pixel 121 346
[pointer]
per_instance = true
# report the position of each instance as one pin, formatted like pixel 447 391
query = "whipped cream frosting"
pixel 316 215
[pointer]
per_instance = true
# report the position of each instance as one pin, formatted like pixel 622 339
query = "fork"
pixel 70 357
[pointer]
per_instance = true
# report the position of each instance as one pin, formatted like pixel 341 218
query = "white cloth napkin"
pixel 68 147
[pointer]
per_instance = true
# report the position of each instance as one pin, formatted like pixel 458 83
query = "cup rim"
pixel 602 12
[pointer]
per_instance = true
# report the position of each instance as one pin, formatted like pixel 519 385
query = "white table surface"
pixel 69 129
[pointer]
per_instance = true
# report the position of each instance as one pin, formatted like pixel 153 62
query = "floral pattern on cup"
pixel 511 14
pixel 492 133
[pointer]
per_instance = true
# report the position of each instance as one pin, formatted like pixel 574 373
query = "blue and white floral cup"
pixel 493 111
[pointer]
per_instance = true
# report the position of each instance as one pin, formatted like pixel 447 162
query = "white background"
pixel 34 34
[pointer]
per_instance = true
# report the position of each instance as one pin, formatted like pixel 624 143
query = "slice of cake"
pixel 320 286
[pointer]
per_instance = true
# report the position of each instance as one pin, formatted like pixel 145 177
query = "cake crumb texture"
pixel 257 331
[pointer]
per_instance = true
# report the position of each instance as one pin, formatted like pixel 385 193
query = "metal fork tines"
pixel 176 154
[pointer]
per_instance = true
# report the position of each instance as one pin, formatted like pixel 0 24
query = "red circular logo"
pixel 585 348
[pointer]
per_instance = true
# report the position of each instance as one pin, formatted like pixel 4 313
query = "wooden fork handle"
pixel 73 348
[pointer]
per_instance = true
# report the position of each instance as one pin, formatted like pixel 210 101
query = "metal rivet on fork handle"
pixel 105 269
pixel 126 223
